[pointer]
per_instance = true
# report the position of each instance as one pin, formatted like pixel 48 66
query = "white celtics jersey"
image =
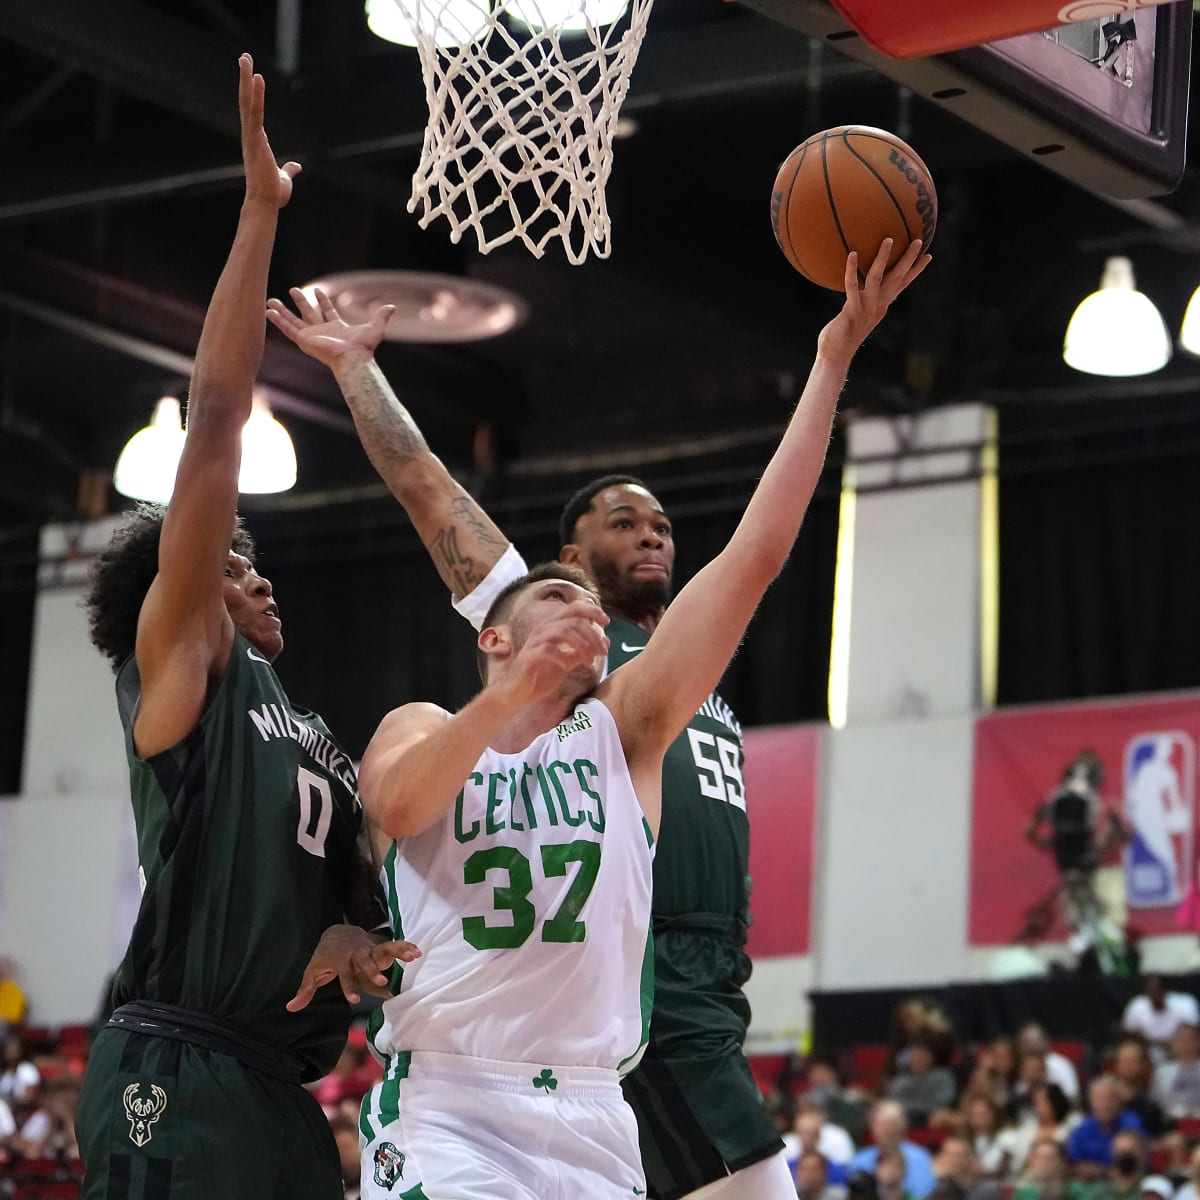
pixel 530 901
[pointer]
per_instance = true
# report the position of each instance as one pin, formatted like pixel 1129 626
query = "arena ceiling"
pixel 121 182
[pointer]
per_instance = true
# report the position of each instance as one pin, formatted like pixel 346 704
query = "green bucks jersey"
pixel 703 852
pixel 246 837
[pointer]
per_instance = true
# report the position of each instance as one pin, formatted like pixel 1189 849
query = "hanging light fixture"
pixel 146 468
pixel 1117 330
pixel 1189 332
pixel 268 456
pixel 450 22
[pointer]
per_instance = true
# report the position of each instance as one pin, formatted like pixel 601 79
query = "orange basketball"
pixel 847 189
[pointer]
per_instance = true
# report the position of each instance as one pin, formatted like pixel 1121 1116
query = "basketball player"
pixel 489 987
pixel 246 812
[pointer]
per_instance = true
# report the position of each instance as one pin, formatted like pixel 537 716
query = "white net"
pixel 523 100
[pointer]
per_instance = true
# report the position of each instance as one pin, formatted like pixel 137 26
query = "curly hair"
pixel 121 576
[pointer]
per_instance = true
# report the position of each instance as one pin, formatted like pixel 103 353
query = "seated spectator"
pixel 8 1124
pixel 13 1005
pixel 1128 1169
pixel 49 1131
pixel 812 1132
pixel 1132 1070
pixel 1059 1068
pixel 1090 1146
pixel 19 1078
pixel 920 1087
pixel 1048 1174
pixel 888 1128
pixel 1049 1116
pixel 891 1175
pixel 1176 1084
pixel 959 1175
pixel 921 1019
pixel 823 1088
pixel 1191 1189
pixel 1031 1073
pixel 985 1134
pixel 812 1178
pixel 1157 1013
pixel 1000 1059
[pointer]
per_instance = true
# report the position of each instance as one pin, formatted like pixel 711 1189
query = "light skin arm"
pixel 461 538
pixel 184 631
pixel 421 755
pixel 654 695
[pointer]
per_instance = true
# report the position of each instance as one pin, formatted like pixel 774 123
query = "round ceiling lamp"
pixel 429 307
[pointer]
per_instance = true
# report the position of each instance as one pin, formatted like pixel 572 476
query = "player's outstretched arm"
pixel 461 538
pixel 655 694
pixel 184 631
pixel 420 756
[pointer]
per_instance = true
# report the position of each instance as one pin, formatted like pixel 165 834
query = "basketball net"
pixel 523 101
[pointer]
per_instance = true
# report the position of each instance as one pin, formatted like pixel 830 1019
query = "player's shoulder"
pixel 414 715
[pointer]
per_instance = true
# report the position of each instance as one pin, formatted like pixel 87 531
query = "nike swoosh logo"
pixel 256 657
pixel 631 649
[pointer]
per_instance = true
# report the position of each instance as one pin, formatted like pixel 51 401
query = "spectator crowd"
pixel 1013 1119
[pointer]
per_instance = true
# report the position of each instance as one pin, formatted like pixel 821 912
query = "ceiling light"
pixel 1189 333
pixel 146 468
pixel 429 307
pixel 567 15
pixel 449 22
pixel 268 456
pixel 1117 330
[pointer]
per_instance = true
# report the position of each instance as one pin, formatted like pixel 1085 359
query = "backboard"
pixel 1102 103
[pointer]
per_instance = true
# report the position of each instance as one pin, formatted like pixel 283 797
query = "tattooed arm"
pixel 460 537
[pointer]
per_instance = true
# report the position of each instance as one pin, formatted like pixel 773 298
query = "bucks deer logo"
pixel 389 1164
pixel 142 1112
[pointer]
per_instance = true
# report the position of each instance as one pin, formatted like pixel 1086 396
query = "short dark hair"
pixel 504 601
pixel 582 501
pixel 1060 1106
pixel 121 576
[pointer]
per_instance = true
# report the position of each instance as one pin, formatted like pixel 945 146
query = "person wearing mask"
pixel 1090 1146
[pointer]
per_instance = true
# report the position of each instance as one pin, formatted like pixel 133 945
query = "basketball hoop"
pixel 523 101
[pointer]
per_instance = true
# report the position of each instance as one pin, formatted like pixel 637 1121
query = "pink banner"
pixel 1147 752
pixel 781 792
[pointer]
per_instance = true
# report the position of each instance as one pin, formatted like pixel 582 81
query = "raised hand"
pixel 265 179
pixel 321 333
pixel 865 307
pixel 569 642
pixel 353 956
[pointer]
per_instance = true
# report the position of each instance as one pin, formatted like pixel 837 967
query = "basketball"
pixel 847 189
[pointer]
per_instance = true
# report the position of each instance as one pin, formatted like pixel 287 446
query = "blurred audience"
pixel 1047 1117
pixel 1059 1068
pixel 890 1174
pixel 812 1178
pixel 1176 1084
pixel 1048 1174
pixel 985 1135
pixel 345 1133
pixel 812 1132
pixel 19 1078
pixel 959 1175
pixel 920 1087
pixel 1090 1145
pixel 1157 1013
pixel 1191 1189
pixel 49 1130
pixel 888 1127
pixel 1132 1071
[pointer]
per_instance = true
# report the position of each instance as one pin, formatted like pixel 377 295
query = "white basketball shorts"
pixel 447 1127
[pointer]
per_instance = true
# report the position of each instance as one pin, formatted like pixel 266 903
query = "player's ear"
pixel 570 553
pixel 494 640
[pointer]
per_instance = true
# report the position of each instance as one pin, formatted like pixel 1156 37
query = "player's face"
pixel 252 607
pixel 543 601
pixel 625 545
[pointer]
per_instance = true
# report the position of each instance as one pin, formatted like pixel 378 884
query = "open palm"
pixel 318 329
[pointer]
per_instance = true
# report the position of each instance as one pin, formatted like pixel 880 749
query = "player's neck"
pixel 643 618
pixel 530 723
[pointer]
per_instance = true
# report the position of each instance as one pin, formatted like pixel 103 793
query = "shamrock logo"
pixel 546 1080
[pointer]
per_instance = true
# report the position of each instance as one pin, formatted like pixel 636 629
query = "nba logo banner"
pixel 1146 747
pixel 1160 806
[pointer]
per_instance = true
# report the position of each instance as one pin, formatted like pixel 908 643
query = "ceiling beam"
pixel 189 73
